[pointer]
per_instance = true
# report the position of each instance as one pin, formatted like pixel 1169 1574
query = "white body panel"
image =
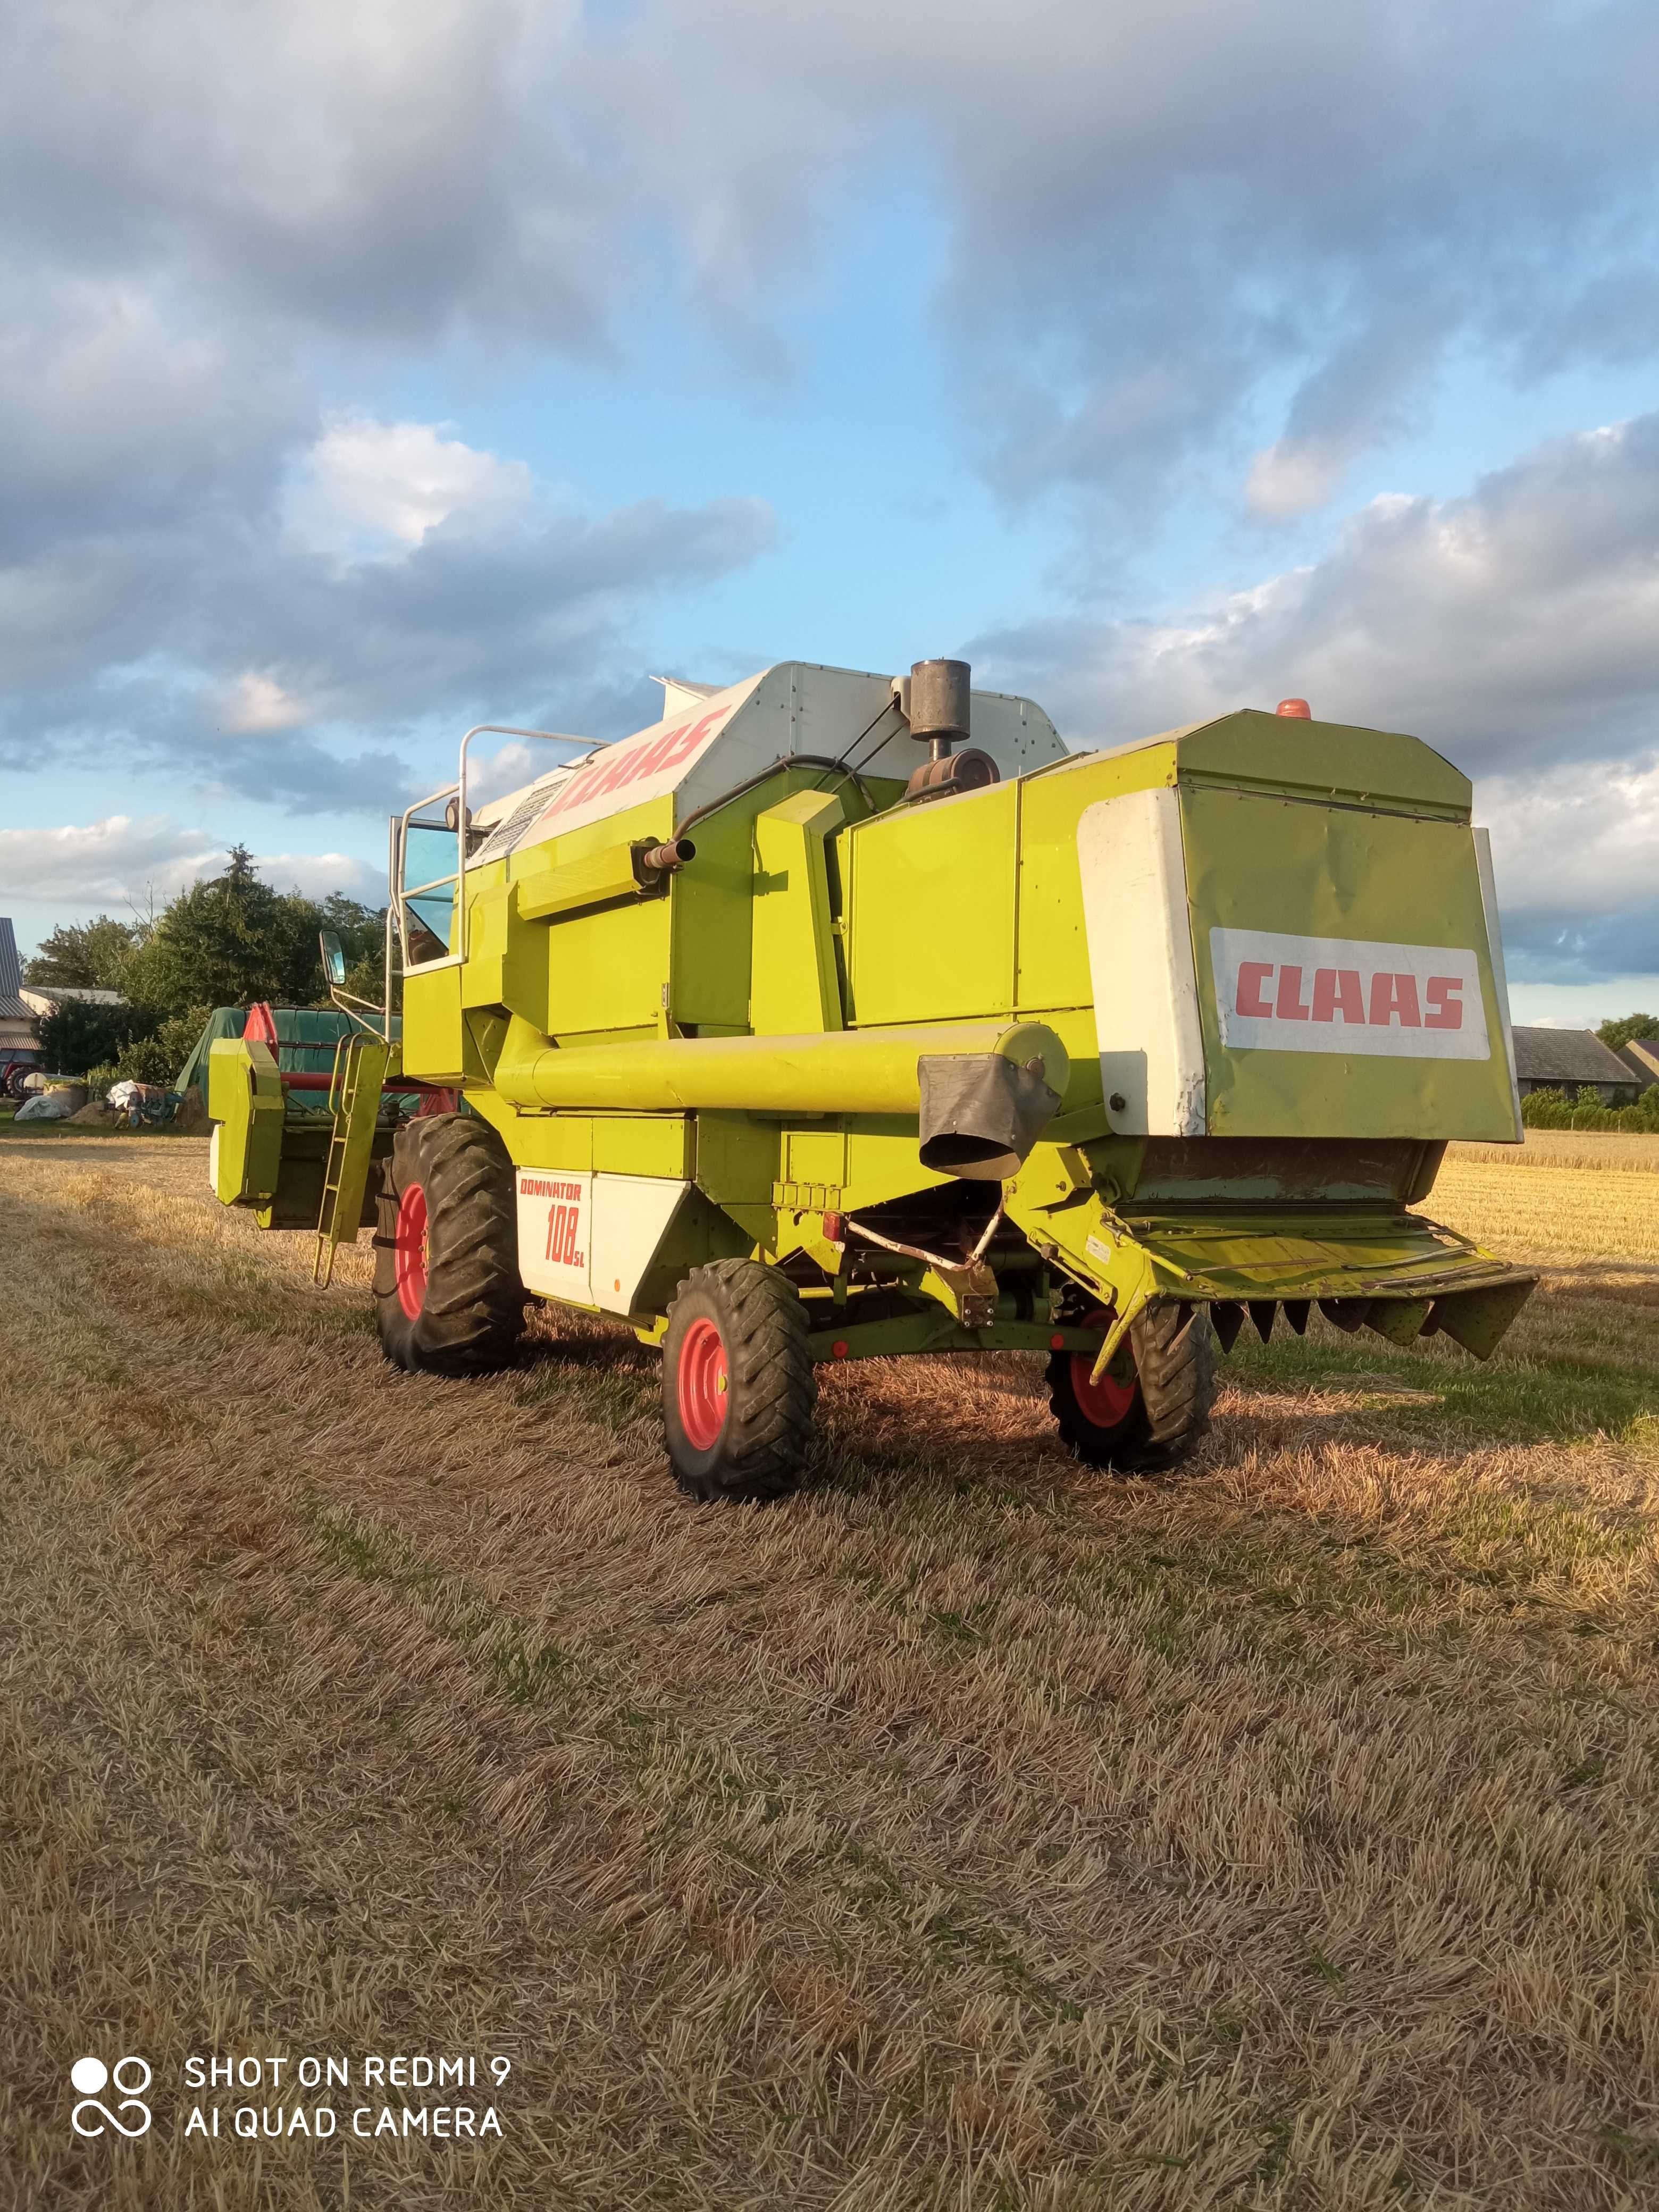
pixel 1350 996
pixel 704 748
pixel 631 1216
pixel 556 1222
pixel 589 1239
pixel 1140 963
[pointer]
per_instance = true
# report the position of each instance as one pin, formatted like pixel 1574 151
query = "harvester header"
pixel 844 1015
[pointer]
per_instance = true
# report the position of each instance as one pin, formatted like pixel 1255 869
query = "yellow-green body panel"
pixel 794 983
pixel 1264 861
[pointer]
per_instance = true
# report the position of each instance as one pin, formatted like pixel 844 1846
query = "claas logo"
pixel 1285 994
pixel 1271 991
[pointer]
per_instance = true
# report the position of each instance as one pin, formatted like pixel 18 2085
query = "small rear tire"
pixel 448 1298
pixel 1149 1410
pixel 739 1384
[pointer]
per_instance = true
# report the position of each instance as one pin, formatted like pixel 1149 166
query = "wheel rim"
pixel 702 1384
pixel 411 1254
pixel 1108 1402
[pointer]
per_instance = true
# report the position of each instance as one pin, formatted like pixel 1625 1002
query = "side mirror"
pixel 334 959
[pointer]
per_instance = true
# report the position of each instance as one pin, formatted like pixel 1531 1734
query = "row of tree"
pixel 229 941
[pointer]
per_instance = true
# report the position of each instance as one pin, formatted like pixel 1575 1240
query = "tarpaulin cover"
pixel 306 1038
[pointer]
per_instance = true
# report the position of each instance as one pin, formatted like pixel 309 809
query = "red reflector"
pixel 1056 1342
pixel 832 1230
pixel 1298 708
pixel 838 1349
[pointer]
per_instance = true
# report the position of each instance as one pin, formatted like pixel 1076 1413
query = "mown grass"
pixel 1568 1148
pixel 968 1831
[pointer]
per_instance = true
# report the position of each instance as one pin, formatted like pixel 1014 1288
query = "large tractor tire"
pixel 738 1385
pixel 1146 1422
pixel 448 1293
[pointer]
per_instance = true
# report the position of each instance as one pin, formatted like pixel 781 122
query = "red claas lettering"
pixel 1288 1005
pixel 1337 991
pixel 1445 994
pixel 1392 995
pixel 1252 974
pixel 632 761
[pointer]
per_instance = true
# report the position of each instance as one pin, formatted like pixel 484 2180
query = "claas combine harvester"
pixel 838 1015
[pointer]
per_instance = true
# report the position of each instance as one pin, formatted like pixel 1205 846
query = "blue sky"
pixel 365 372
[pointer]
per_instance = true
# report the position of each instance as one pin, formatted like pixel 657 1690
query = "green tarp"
pixel 306 1038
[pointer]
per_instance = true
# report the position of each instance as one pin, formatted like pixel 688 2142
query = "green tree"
pixel 1627 1027
pixel 227 942
pixel 88 954
pixel 82 1034
pixel 159 1058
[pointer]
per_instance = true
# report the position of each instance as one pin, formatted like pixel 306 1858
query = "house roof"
pixel 1641 1055
pixel 1567 1056
pixel 46 998
pixel 11 973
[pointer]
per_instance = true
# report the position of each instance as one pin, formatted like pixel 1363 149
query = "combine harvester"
pixel 786 1049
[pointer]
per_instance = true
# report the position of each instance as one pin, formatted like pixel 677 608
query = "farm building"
pixel 1641 1055
pixel 1574 1060
pixel 17 1037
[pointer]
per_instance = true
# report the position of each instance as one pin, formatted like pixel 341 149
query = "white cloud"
pixel 1151 218
pixel 1517 625
pixel 1293 475
pixel 256 701
pixel 121 861
pixel 317 874
pixel 1575 842
pixel 369 489
pixel 117 859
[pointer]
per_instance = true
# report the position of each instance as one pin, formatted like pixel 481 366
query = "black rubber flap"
pixel 980 1113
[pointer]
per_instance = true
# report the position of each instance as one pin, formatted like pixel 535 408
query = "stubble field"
pixel 970 1832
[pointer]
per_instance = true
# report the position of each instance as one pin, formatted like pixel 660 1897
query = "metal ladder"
pixel 354 1099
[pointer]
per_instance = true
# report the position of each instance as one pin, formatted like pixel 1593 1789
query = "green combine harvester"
pixel 787 1042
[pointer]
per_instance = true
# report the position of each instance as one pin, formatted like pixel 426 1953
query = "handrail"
pixel 401 894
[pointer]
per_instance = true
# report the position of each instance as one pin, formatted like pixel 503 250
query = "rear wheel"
pixel 448 1294
pixel 1150 1408
pixel 738 1385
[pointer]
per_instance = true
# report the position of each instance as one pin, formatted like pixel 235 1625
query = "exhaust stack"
pixel 938 699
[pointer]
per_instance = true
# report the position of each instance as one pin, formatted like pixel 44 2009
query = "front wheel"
pixel 1151 1407
pixel 738 1385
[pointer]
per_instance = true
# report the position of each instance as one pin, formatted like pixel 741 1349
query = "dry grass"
pixel 1568 1148
pixel 1575 1213
pixel 965 1833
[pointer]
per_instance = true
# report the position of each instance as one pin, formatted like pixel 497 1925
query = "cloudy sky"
pixel 369 371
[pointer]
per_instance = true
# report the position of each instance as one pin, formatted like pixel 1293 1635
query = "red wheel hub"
pixel 1106 1403
pixel 703 1385
pixel 411 1252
